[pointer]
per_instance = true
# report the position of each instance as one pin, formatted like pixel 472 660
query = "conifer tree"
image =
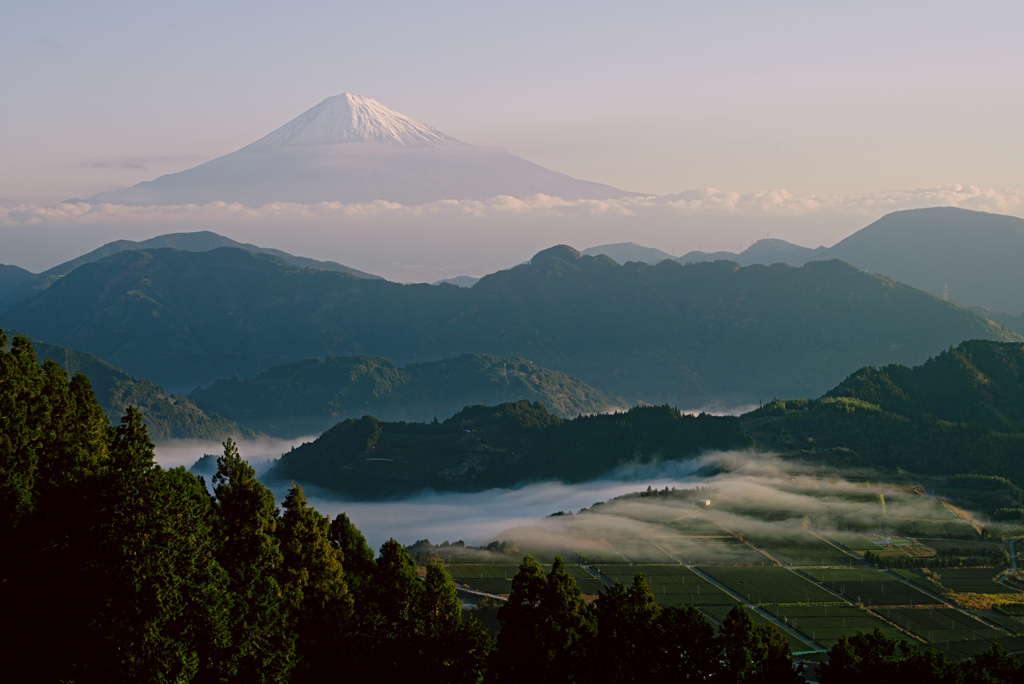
pixel 545 627
pixel 454 651
pixel 262 640
pixel 624 648
pixel 755 653
pixel 312 577
pixel 357 556
pixel 394 597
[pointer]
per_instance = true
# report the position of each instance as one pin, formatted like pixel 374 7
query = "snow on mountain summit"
pixel 353 149
pixel 349 118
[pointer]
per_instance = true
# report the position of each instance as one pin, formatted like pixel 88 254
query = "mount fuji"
pixel 351 148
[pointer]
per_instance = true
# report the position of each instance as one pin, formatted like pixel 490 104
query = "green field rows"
pixel 769 585
pixel 718 613
pixel 671 584
pixel 716 550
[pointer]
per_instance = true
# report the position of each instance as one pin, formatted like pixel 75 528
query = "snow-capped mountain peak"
pixel 349 118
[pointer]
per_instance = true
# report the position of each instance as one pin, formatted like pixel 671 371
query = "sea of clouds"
pixel 448 238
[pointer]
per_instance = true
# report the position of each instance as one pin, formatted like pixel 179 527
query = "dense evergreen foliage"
pixel 310 396
pixel 960 412
pixel 167 416
pixel 666 333
pixel 117 570
pixel 874 657
pixel 482 447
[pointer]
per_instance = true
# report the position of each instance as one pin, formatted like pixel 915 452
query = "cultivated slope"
pixel 351 148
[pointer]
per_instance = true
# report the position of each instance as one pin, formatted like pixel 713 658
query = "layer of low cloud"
pixel 448 238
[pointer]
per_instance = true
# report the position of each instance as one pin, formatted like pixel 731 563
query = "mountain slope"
pixel 11 277
pixel 666 333
pixel 960 412
pixel 629 251
pixel 199 241
pixel 351 148
pixel 167 416
pixel 971 257
pixel 482 447
pixel 310 396
pixel 974 255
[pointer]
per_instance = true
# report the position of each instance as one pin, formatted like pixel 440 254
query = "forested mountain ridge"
pixel 310 396
pixel 960 412
pixel 167 416
pixel 24 285
pixel 971 257
pixel 482 447
pixel 673 333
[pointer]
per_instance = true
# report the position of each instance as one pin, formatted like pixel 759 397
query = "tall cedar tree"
pixel 876 658
pixel 394 596
pixel 545 627
pixel 755 653
pixel 312 577
pixel 624 649
pixel 52 443
pixel 262 646
pixel 357 556
pixel 454 651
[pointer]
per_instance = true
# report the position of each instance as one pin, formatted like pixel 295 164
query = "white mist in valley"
pixel 756 495
pixel 258 452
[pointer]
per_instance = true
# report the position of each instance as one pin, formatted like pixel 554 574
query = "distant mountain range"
pixel 17 284
pixel 310 396
pixel 167 416
pixel 971 257
pixel 676 333
pixel 351 148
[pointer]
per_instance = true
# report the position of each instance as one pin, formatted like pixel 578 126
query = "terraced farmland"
pixel 871 587
pixel 673 585
pixel 765 586
pixel 825 625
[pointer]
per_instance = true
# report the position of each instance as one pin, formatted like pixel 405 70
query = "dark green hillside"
pixel 310 396
pixel 666 333
pixel 167 416
pixel 11 277
pixel 199 241
pixel 961 412
pixel 483 447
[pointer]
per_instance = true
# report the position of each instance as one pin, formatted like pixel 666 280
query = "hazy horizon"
pixel 811 121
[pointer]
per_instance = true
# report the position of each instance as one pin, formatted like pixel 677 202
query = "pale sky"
pixel 812 98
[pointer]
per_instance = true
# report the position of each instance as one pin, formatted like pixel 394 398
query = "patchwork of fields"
pixel 796 553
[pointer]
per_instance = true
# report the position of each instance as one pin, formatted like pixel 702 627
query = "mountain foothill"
pixel 310 396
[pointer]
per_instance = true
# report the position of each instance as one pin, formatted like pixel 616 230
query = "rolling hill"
pixel 167 416
pixel 482 447
pixel 310 396
pixel 960 412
